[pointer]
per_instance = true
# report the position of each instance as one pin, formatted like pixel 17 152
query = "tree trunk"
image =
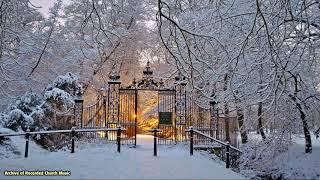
pixel 243 132
pixel 260 126
pixel 308 144
pixel 308 148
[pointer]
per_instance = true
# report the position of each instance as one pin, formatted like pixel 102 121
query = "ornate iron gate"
pixel 121 111
pixel 167 116
pixel 177 110
pixel 128 115
pixel 118 107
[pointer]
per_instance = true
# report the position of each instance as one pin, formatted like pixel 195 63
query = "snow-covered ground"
pixel 291 164
pixel 99 160
pixel 295 163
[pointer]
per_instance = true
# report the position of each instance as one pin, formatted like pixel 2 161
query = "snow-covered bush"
pixel 259 156
pixel 42 118
pixel 69 83
pixel 17 119
pixel 61 92
pixel 25 111
pixel 27 103
pixel 3 119
pixel 36 112
pixel 59 97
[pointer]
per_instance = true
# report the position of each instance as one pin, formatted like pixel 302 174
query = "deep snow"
pixel 291 164
pixel 295 163
pixel 100 160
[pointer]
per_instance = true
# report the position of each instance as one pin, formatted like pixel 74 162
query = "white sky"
pixel 45 5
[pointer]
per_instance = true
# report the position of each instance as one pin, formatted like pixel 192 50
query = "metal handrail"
pixel 72 131
pixel 62 131
pixel 227 144
pixel 99 129
pixel 216 140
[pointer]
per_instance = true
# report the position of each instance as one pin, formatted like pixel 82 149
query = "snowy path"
pixel 102 161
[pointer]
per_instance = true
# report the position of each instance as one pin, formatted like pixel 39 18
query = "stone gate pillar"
pixel 78 111
pixel 181 100
pixel 113 110
pixel 213 119
pixel 180 108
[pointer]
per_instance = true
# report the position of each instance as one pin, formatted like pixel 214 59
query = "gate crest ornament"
pixel 147 82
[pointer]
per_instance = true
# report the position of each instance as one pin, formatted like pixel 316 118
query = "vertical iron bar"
pixel 119 139
pixel 158 108
pixel 105 114
pixel 191 141
pixel 81 112
pixel 108 111
pixel 27 143
pixel 185 113
pixel 155 142
pixel 217 124
pixel 127 116
pixel 228 155
pixel 175 117
pixel 72 139
pixel 135 116
pixel 118 93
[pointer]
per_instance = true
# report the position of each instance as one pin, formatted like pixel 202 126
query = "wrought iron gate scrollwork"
pixel 176 110
pixel 172 104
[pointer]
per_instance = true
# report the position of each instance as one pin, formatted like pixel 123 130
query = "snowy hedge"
pixel 37 112
pixel 27 102
pixel 68 83
pixel 60 97
pixel 18 119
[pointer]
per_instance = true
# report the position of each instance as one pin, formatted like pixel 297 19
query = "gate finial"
pixel 147 71
pixel 114 76
pixel 180 79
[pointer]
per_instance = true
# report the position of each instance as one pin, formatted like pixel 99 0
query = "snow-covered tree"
pixel 261 54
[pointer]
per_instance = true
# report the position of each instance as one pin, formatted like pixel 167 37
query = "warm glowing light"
pixel 134 116
pixel 147 112
pixel 101 134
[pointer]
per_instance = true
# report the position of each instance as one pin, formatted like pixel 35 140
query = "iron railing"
pixel 73 131
pixel 227 153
